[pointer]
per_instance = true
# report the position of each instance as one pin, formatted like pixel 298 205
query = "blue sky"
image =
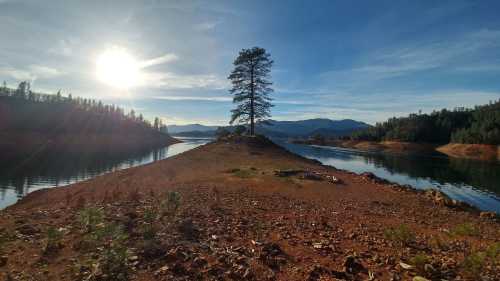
pixel 364 60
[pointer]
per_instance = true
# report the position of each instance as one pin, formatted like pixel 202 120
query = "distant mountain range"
pixel 273 128
pixel 175 129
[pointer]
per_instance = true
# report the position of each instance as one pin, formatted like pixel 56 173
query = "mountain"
pixel 310 127
pixel 175 129
pixel 196 134
pixel 281 129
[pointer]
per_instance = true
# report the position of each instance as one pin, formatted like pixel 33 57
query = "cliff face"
pixel 242 209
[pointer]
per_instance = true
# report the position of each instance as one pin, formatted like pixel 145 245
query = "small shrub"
pixel 474 264
pixel 493 252
pixel 171 204
pixel 54 238
pixel 114 263
pixel 419 261
pixel 149 229
pixel 439 243
pixel 401 234
pixel 465 229
pixel 89 218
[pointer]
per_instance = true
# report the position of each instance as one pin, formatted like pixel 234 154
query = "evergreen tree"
pixel 251 87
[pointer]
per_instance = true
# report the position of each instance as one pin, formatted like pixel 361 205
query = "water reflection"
pixel 20 177
pixel 475 182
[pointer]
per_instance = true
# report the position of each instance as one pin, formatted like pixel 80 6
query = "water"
pixel 471 181
pixel 46 173
pixel 475 182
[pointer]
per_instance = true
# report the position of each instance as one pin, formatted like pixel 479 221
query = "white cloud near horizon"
pixel 31 73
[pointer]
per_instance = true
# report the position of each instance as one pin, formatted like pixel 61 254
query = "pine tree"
pixel 251 87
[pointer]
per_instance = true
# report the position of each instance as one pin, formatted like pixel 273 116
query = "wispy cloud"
pixel 159 60
pixel 62 48
pixel 31 73
pixel 407 60
pixel 194 98
pixel 169 80
pixel 206 26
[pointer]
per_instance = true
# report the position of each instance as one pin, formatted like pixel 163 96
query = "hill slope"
pixel 54 124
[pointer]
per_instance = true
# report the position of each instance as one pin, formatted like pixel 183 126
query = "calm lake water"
pixel 58 172
pixel 471 181
pixel 475 182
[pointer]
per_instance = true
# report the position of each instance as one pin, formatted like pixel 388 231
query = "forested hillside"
pixel 30 120
pixel 479 125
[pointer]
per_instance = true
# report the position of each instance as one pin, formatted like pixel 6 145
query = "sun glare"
pixel 117 68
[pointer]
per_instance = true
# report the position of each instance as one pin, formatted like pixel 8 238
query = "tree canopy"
pixel 251 87
pixel 478 125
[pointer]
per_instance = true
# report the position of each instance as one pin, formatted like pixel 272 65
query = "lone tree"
pixel 251 87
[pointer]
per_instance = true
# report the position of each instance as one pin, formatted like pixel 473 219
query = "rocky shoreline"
pixel 245 209
pixel 456 150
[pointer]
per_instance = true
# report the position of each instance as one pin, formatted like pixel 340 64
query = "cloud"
pixel 194 98
pixel 63 48
pixel 205 26
pixel 31 73
pixel 169 80
pixel 159 60
pixel 405 60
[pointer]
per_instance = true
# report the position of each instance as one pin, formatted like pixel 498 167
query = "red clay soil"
pixel 471 151
pixel 384 146
pixel 240 219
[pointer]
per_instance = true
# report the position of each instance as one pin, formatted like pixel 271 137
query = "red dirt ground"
pixel 238 220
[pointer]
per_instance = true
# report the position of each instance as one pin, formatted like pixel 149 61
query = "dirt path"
pixel 243 209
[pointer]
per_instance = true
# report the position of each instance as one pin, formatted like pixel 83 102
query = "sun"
pixel 118 69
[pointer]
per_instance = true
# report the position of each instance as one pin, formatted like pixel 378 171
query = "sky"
pixel 362 60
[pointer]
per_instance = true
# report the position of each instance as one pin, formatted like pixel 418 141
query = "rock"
pixel 373 178
pixel 163 270
pixel 287 173
pixel 438 197
pixel 176 254
pixel 3 260
pixel 405 266
pixel 273 256
pixel 420 278
pixel 311 176
pixel 488 215
pixel 353 266
pixel 28 230
pixel 199 262
pixel 189 230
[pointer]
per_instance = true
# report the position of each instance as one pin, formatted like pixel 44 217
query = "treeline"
pixel 480 125
pixel 22 110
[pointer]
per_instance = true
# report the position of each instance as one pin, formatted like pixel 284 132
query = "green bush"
pixel 401 234
pixel 89 218
pixel 493 252
pixel 474 264
pixel 171 204
pixel 465 229
pixel 419 261
pixel 149 229
pixel 54 240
